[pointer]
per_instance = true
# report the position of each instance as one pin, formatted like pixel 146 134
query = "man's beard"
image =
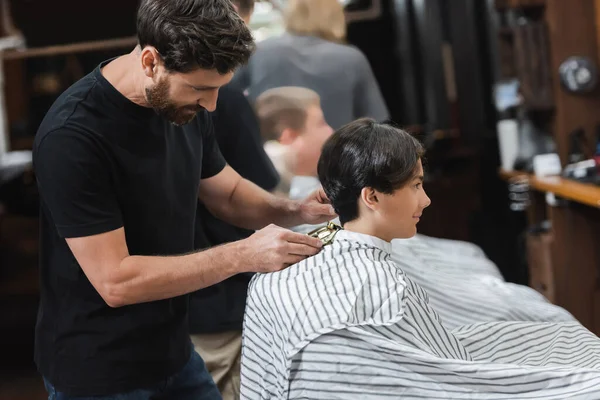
pixel 158 98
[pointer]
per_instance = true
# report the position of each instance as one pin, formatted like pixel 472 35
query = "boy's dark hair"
pixel 244 6
pixel 192 34
pixel 362 154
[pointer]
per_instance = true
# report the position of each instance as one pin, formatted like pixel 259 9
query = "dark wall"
pixel 403 48
pixel 51 22
pixel 376 40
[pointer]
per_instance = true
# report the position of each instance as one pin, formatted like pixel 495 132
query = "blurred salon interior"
pixel 503 94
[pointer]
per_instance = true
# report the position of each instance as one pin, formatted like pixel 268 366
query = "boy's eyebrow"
pixel 419 178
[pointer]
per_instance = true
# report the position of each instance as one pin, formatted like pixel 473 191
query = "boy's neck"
pixel 363 226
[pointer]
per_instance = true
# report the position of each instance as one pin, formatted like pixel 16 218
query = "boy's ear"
pixel 369 198
pixel 288 136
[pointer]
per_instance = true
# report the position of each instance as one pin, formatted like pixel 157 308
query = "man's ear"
pixel 288 135
pixel 368 196
pixel 150 61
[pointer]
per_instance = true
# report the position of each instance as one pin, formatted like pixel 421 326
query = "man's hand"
pixel 316 208
pixel 242 203
pixel 273 249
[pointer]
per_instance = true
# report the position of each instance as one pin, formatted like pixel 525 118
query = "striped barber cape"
pixel 466 289
pixel 350 324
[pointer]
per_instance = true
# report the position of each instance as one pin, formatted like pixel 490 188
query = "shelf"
pixel 508 4
pixel 584 193
pixel 98 45
pixel 507 175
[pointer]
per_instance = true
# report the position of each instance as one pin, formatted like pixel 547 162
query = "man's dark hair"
pixel 244 6
pixel 192 34
pixel 362 154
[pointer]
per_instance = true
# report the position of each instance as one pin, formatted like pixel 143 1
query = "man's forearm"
pixel 251 207
pixel 145 278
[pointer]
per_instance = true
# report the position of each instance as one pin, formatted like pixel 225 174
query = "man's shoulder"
pixel 79 92
pixel 67 107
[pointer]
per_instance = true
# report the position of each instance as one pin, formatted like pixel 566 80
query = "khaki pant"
pixel 222 353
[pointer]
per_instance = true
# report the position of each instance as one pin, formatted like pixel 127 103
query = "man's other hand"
pixel 273 249
pixel 316 208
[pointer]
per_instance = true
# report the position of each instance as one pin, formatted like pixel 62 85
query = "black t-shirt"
pixel 238 136
pixel 103 162
pixel 220 307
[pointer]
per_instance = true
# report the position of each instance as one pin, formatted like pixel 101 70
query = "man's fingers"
pixel 330 210
pixel 322 210
pixel 302 250
pixel 322 196
pixel 326 209
pixel 300 238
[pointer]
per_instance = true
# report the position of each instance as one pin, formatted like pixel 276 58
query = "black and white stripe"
pixel 348 323
pixel 465 287
pixel 349 364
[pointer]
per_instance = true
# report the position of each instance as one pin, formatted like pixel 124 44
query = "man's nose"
pixel 210 101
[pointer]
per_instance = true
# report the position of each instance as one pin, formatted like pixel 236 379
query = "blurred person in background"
pixel 217 312
pixel 313 54
pixel 294 129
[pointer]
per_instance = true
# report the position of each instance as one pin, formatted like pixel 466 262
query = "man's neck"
pixel 124 74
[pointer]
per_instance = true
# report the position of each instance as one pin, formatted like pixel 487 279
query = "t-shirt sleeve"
pixel 238 135
pixel 212 159
pixel 75 184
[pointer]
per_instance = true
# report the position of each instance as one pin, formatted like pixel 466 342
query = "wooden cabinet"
pixel 539 258
pixel 564 262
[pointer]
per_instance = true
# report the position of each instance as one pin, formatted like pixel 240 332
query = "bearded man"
pixel 121 159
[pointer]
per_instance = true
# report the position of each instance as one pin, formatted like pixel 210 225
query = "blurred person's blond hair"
pixel 284 108
pixel 321 18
